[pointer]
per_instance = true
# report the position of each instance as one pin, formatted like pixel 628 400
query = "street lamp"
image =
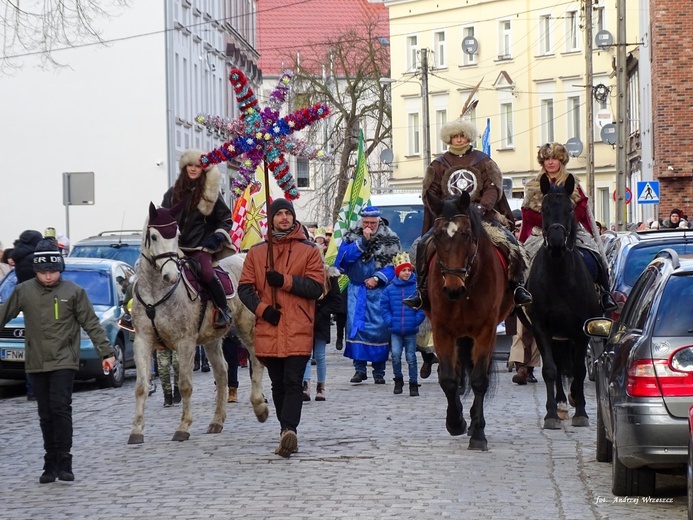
pixel 424 102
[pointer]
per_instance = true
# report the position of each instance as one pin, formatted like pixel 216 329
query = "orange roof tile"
pixel 291 26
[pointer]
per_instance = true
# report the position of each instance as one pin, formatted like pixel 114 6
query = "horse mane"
pixel 461 205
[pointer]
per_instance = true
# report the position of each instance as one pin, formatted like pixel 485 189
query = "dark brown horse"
pixel 470 296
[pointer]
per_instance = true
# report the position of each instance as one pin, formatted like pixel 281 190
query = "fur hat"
pixel 190 157
pixel 320 233
pixel 458 127
pixel 400 261
pixel 278 204
pixel 47 257
pixel 555 150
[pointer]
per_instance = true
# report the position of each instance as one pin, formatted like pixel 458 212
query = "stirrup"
pixel 607 302
pixel 222 318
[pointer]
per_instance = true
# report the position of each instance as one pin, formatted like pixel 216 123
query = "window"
pixel 547 126
pixel 572 31
pixel 633 103
pixel 412 53
pixel 574 121
pixel 507 132
pixel 441 119
pixel 302 173
pixel 439 49
pixel 504 40
pixel 598 20
pixel 468 59
pixel 604 204
pixel 414 147
pixel 545 44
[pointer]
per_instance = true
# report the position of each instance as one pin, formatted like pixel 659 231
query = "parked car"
pixel 689 468
pixel 117 245
pixel 98 278
pixel 627 254
pixel 644 377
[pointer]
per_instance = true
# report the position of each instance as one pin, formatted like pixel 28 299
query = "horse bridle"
pixel 170 256
pixel 461 272
pixel 544 233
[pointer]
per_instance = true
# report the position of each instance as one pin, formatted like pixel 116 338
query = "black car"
pixel 644 377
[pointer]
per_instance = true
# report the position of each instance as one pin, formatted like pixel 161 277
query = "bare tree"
pixel 41 27
pixel 345 73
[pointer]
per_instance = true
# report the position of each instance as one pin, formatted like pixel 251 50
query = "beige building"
pixel 530 59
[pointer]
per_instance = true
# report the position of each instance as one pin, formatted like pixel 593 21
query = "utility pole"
pixel 621 158
pixel 589 105
pixel 426 118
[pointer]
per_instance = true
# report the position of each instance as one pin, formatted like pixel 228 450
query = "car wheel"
pixel 630 482
pixel 689 474
pixel 604 446
pixel 589 361
pixel 117 375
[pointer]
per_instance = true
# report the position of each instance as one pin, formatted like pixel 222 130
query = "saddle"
pixel 191 278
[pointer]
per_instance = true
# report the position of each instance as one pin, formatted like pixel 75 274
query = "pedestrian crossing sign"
pixel 648 192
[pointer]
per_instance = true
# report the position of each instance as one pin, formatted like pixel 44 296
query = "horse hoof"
pixel 214 428
pixel 262 415
pixel 552 424
pixel 461 429
pixel 136 438
pixel 478 444
pixel 581 421
pixel 181 436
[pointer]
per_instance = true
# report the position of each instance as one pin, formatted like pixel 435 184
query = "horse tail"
pixel 464 353
pixel 562 357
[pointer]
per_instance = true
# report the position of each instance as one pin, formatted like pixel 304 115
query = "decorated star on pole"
pixel 261 134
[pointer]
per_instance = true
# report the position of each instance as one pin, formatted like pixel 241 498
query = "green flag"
pixel 357 195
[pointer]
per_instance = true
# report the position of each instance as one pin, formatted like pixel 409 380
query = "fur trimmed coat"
pixel 489 192
pixel 198 224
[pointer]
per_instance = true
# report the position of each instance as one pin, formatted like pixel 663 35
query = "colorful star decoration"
pixel 261 134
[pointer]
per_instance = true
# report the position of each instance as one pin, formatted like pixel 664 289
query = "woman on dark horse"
pixel 462 168
pixel 553 158
pixel 204 223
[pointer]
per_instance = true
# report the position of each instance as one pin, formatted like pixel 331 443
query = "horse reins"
pixel 461 272
pixel 565 231
pixel 150 308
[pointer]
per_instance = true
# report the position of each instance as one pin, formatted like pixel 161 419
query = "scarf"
pixel 278 235
pixel 382 247
pixel 459 150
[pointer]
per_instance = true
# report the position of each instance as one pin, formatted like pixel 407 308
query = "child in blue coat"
pixel 402 321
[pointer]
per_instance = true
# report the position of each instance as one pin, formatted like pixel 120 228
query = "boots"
pixel 320 392
pixel 176 395
pixel 419 300
pixel 607 301
pixel 520 377
pixel 50 470
pixel 233 395
pixel 222 316
pixel 65 467
pixel 414 389
pixel 399 385
pixel 306 391
pixel 288 444
pixel 168 400
pixel 205 362
pixel 198 355
pixel 521 296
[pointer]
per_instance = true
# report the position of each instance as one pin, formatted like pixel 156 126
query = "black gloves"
pixel 274 279
pixel 214 241
pixel 271 315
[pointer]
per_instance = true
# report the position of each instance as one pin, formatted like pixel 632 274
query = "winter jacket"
pixel 399 318
pixel 52 320
pixel 301 264
pixel 325 307
pixel 198 224
pixel 23 254
pixel 488 193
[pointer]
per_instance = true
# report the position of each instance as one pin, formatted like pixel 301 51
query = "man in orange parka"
pixel 283 299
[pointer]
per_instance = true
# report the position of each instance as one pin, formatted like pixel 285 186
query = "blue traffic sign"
pixel 648 192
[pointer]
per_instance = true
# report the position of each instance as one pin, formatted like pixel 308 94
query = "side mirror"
pixel 598 327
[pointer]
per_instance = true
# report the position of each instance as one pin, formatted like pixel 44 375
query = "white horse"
pixel 165 313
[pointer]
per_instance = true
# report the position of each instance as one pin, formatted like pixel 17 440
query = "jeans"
pixel 408 344
pixel 286 375
pixel 378 367
pixel 53 391
pixel 320 365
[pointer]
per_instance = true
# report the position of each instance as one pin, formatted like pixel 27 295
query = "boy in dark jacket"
pixel 54 310
pixel 402 321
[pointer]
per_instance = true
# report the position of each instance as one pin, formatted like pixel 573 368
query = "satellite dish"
pixel 604 39
pixel 608 133
pixel 470 45
pixel 574 147
pixel 386 156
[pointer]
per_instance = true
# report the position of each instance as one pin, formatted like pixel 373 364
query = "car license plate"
pixel 10 354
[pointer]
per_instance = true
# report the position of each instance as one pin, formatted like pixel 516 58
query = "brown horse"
pixel 470 296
